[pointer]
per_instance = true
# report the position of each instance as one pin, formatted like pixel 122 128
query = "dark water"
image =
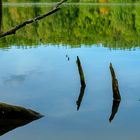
pixel 39 71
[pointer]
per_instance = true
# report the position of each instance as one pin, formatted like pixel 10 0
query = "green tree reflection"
pixel 113 26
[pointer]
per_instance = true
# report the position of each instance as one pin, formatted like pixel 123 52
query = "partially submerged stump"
pixel 116 94
pixel 12 117
pixel 81 73
pixel 115 86
pixel 83 83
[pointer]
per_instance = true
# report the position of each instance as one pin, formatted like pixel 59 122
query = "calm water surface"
pixel 44 77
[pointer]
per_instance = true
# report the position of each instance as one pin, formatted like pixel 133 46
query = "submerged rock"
pixel 12 117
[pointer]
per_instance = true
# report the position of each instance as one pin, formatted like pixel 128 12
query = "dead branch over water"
pixel 14 29
pixel 115 86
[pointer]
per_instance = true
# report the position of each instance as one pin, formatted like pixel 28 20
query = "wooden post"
pixel 83 84
pixel 81 73
pixel 115 86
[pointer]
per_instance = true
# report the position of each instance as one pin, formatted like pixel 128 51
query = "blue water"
pixel 44 80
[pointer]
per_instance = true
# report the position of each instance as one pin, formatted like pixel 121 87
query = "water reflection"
pixel 80 98
pixel 12 117
pixel 115 106
pixel 54 92
pixel 68 58
pixel 18 79
pixel 15 79
pixel 113 26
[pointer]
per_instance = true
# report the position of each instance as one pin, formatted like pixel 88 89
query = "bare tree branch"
pixel 14 29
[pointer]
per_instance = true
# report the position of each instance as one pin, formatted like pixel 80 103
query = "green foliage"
pixel 114 1
pixel 113 26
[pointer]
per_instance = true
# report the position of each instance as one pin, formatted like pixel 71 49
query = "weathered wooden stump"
pixel 83 83
pixel 81 73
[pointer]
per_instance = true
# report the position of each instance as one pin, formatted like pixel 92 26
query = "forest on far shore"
pixel 112 1
pixel 75 25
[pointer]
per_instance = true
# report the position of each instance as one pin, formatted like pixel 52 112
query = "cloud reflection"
pixel 18 79
pixel 15 80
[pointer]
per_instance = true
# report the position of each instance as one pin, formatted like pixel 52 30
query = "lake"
pixel 39 71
